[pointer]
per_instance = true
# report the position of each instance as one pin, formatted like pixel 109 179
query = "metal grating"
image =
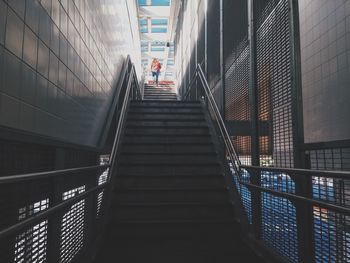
pixel 72 231
pixel 330 159
pixel 235 29
pixel 237 101
pixel 201 35
pixel 263 9
pixel 279 226
pixel 275 87
pixel 213 39
pixel 331 229
pixel 275 124
pixel 245 193
pixel 332 236
pixel 101 180
pixel 31 245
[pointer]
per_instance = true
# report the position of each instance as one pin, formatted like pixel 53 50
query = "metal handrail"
pixel 41 175
pixel 296 171
pixel 116 95
pixel 227 140
pixel 64 204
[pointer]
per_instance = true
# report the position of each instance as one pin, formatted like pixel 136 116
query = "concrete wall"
pixel 59 62
pixel 325 54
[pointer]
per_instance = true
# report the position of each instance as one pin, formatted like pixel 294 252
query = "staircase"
pixel 170 203
pixel 160 92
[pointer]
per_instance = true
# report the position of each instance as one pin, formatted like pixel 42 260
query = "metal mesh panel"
pixel 279 226
pixel 201 35
pixel 274 87
pixel 72 232
pixel 330 159
pixel 332 236
pixel 18 202
pixel 237 101
pixel 213 42
pixel 263 9
pixel 101 180
pixel 235 29
pixel 279 215
pixel 31 245
pixel 331 229
pixel 245 193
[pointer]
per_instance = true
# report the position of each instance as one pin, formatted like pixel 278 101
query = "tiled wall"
pixel 325 54
pixel 59 62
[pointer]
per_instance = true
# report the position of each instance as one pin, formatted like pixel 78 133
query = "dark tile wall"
pixel 325 54
pixel 59 62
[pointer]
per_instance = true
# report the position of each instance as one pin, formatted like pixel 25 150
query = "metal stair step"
pixel 164 148
pixel 173 211
pixel 165 159
pixel 170 170
pixel 166 139
pixel 141 196
pixel 142 124
pixel 163 110
pixel 186 117
pixel 169 131
pixel 169 182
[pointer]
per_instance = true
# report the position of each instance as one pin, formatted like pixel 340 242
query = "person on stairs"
pixel 155 68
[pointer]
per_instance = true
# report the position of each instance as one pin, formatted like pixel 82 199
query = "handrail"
pixel 116 95
pixel 64 204
pixel 40 175
pixel 296 171
pixel 231 151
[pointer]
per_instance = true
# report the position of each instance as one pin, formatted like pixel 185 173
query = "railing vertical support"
pixel 253 101
pixel 222 59
pixel 54 223
pixel 304 217
pixel 304 211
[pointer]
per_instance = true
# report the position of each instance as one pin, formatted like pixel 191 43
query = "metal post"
pixel 304 212
pixel 253 101
pixel 206 37
pixel 222 63
pixel 54 223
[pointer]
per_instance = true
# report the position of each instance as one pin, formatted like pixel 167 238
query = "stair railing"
pixel 197 94
pixel 59 216
pixel 294 215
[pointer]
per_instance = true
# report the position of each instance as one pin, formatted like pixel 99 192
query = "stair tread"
pixel 216 204
pixel 166 189
pixel 172 176
pixel 171 153
pixel 167 222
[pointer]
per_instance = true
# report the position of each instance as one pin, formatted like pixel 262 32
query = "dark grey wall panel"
pixel 59 64
pixel 325 56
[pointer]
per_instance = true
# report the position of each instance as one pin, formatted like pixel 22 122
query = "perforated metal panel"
pixel 279 223
pixel 72 229
pixel 331 229
pixel 245 194
pixel 213 47
pixel 274 85
pixel 279 226
pixel 201 35
pixel 31 245
pixel 101 180
pixel 237 100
